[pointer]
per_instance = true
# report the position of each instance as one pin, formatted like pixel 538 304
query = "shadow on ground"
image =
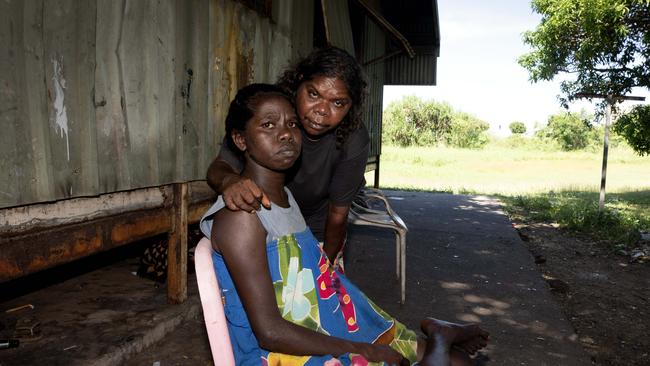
pixel 465 263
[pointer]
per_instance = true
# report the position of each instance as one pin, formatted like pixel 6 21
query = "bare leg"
pixel 436 350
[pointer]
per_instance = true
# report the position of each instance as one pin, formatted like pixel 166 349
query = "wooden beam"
pixel 386 26
pixel 35 251
pixel 38 248
pixel 611 97
pixel 177 247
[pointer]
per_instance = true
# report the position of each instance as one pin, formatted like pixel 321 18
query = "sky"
pixel 478 73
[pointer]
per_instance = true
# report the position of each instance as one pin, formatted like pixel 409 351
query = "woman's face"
pixel 272 137
pixel 322 104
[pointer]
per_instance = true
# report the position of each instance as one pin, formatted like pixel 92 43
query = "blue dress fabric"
pixel 308 293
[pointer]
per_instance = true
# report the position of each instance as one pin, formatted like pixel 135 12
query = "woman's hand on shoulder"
pixel 382 353
pixel 241 193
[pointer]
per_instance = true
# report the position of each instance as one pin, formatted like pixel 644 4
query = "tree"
pixel 467 132
pixel 635 128
pixel 572 131
pixel 413 122
pixel 517 128
pixel 604 43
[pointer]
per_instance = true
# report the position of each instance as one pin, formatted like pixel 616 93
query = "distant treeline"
pixel 414 122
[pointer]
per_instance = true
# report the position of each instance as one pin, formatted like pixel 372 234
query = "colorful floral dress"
pixel 308 293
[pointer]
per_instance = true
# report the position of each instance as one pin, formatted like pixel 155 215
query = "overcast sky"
pixel 478 70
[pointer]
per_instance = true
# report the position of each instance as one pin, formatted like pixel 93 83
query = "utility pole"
pixel 610 99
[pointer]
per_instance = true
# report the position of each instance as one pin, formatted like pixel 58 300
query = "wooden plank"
pixel 25 219
pixel 177 247
pixel 24 254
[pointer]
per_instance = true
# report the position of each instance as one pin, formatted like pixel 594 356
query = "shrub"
pixel 468 132
pixel 572 131
pixel 413 122
pixel 634 127
pixel 517 128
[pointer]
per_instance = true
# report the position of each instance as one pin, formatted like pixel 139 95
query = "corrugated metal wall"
pixel 100 96
pixel 337 21
pixel 374 47
pixel 420 70
pixel 417 20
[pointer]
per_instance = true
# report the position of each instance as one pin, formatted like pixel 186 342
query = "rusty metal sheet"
pixel 105 96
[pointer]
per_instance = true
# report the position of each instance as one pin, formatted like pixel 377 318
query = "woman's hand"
pixel 382 353
pixel 241 193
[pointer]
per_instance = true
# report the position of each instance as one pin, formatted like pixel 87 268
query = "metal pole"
pixel 610 101
pixel 603 176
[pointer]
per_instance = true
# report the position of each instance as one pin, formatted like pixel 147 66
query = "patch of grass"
pixel 538 185
pixel 619 223
pixel 501 170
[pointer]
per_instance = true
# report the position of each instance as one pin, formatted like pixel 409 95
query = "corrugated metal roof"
pixel 420 70
pixel 418 21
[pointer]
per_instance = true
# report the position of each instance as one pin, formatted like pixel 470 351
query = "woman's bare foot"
pixel 468 337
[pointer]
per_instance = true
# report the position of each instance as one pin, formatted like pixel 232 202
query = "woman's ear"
pixel 239 139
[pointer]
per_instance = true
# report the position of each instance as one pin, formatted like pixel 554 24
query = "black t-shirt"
pixel 323 174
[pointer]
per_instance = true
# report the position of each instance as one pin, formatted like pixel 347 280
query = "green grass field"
pixel 499 170
pixel 553 186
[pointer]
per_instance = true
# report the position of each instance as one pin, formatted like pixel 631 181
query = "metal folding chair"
pixel 364 211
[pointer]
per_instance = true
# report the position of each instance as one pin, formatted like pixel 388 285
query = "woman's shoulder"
pixel 357 142
pixel 279 221
pixel 359 136
pixel 219 214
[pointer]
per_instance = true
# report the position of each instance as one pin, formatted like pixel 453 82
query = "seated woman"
pixel 283 303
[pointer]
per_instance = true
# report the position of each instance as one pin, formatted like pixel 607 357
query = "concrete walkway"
pixel 465 263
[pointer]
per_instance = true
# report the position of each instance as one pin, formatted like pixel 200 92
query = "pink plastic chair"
pixel 210 293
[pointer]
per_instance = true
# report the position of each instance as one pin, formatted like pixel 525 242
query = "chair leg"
pixel 398 255
pixel 402 238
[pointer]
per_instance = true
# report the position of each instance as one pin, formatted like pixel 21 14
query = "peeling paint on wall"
pixel 61 115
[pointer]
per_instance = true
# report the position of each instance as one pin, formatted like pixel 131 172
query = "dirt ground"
pixel 605 295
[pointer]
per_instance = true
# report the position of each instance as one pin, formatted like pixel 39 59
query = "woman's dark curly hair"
pixel 331 62
pixel 243 108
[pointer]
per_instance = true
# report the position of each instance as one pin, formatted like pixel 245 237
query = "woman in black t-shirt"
pixel 329 90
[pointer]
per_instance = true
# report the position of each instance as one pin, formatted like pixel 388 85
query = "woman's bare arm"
pixel 239 193
pixel 335 230
pixel 240 238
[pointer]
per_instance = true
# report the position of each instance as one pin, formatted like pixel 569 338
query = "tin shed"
pixel 111 111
